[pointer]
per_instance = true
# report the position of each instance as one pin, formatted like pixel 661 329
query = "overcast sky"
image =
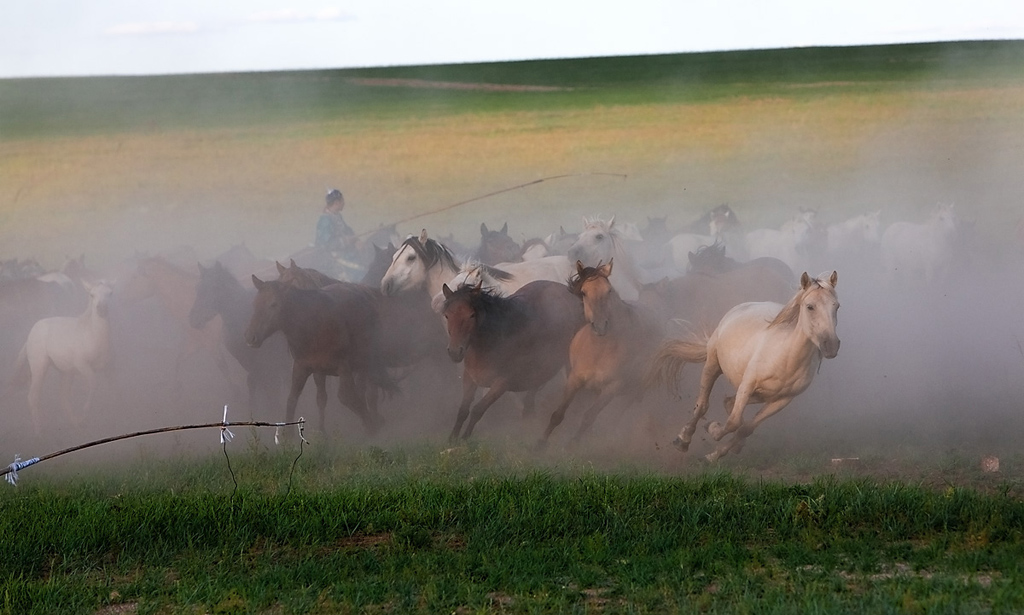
pixel 128 37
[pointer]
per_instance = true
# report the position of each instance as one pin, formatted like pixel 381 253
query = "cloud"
pixel 154 27
pixel 293 16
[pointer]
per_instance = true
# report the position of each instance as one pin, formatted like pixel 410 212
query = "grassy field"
pixel 387 531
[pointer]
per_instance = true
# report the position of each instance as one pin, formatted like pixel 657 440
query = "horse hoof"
pixel 540 446
pixel 681 444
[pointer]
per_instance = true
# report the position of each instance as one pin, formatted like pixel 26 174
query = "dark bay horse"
pixel 515 343
pixel 497 247
pixel 219 293
pixel 379 265
pixel 610 355
pixel 334 330
pixel 701 299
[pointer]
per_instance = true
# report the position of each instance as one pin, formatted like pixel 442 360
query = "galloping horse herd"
pixel 615 309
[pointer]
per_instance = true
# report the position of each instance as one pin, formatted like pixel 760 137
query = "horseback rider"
pixel 337 240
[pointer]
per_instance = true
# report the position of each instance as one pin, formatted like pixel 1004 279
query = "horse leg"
pixel 300 375
pixel 90 391
pixel 354 396
pixel 468 393
pixel 497 390
pixel 572 387
pixel 603 399
pixel 735 444
pixel 35 390
pixel 529 400
pixel 320 380
pixel 67 381
pixel 743 397
pixel 708 375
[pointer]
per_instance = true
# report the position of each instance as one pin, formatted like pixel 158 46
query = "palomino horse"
pixel 508 277
pixel 72 345
pixel 515 343
pixel 420 262
pixel 600 242
pixel 611 354
pixel 768 351
pixel 910 249
pixel 497 247
pixel 176 290
pixel 335 330
pixel 219 293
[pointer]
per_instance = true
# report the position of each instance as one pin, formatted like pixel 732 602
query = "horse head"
pixel 818 315
pixel 497 246
pixel 412 264
pixel 266 311
pixel 591 284
pixel 460 317
pixel 99 298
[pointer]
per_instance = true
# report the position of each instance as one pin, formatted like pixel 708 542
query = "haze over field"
pixel 924 367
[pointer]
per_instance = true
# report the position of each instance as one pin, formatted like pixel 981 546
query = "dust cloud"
pixel 925 365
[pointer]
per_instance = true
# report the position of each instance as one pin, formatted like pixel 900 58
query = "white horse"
pixel 855 234
pixel 789 243
pixel 768 351
pixel 599 243
pixel 71 344
pixel 909 249
pixel 507 278
pixel 419 263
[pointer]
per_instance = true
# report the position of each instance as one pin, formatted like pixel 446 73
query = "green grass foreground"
pixel 401 532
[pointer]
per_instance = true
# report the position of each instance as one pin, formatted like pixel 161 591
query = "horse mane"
pixel 496 313
pixel 576 280
pixel 494 272
pixel 790 312
pixel 432 252
pixel 534 241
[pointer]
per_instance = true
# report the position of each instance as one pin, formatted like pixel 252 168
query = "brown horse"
pixel 610 355
pixel 176 290
pixel 497 247
pixel 334 330
pixel 219 293
pixel 515 343
pixel 701 299
pixel 379 265
pixel 409 330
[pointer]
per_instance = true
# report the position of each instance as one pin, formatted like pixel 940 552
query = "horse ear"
pixel 561 229
pixel 611 222
pixel 447 291
pixel 258 283
pixel 292 264
pixel 423 236
pixel 391 246
pixel 483 228
pixel 606 270
pixel 832 279
pixel 504 229
pixel 805 281
pixel 579 267
pixel 280 268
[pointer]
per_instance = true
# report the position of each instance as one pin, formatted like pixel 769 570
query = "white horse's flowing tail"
pixel 670 359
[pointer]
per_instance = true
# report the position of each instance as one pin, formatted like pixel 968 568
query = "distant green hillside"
pixel 61 106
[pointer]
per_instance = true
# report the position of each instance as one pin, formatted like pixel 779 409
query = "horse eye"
pixel 810 307
pixel 599 237
pixel 410 258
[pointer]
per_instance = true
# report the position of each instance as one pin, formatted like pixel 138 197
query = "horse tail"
pixel 670 359
pixel 22 374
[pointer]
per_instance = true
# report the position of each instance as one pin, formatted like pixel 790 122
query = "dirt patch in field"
pixel 455 85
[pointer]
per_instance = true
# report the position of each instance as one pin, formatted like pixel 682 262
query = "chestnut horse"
pixel 610 355
pixel 515 343
pixel 334 330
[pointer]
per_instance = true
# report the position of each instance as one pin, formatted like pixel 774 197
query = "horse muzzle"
pixel 252 340
pixel 599 328
pixel 830 348
pixel 457 354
